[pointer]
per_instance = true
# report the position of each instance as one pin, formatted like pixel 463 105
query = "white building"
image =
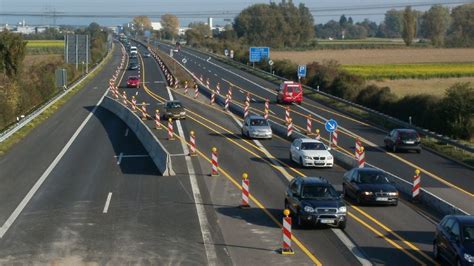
pixel 156 25
pixel 182 31
pixel 209 22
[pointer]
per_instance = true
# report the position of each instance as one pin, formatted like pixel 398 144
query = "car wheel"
pixel 435 250
pixel 342 225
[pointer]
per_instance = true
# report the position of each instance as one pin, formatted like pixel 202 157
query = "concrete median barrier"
pixel 155 149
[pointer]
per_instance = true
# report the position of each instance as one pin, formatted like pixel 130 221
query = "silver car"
pixel 256 126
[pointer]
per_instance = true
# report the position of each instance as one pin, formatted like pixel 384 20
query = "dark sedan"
pixel 454 240
pixel 369 185
pixel 403 139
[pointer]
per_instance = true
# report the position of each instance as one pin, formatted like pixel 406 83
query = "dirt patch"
pixel 379 56
pixel 435 86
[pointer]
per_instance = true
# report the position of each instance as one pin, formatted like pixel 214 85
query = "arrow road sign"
pixel 331 125
pixel 270 62
pixel 184 61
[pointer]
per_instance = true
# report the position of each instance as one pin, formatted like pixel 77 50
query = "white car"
pixel 311 152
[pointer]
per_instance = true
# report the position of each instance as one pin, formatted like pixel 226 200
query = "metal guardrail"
pixel 439 137
pixel 8 132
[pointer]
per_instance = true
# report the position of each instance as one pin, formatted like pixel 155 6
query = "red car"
pixel 290 92
pixel 133 82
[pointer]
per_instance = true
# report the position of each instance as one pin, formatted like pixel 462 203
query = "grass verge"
pixel 24 131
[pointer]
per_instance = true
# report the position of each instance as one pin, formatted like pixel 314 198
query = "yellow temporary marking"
pixel 369 143
pixel 393 243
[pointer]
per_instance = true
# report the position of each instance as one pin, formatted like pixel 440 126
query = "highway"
pixel 103 201
pixel 443 177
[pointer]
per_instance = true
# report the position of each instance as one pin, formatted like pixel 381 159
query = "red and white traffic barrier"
pixel 124 98
pixel 192 144
pixel 134 104
pixel 227 101
pixel 287 115
pixel 170 129
pixel 286 249
pixel 361 157
pixel 334 139
pixel 308 125
pixel 290 127
pixel 213 97
pixel 317 135
pixel 200 78
pixel 247 97
pixel 196 91
pixel 157 119
pixel 144 113
pixel 214 163
pixel 218 88
pixel 186 88
pixel 246 109
pixel 267 108
pixel 208 82
pixel 245 191
pixel 416 184
pixel 358 144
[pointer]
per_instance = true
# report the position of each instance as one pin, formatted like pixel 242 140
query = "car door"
pixel 352 185
pixel 294 198
pixel 245 126
pixel 346 180
pixel 388 138
pixel 294 149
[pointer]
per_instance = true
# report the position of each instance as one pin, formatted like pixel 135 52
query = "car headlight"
pixel 393 193
pixel 367 193
pixel 307 157
pixel 308 209
pixel 469 258
pixel 329 157
pixel 342 209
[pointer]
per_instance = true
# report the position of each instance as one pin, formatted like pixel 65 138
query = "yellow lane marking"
pixel 386 239
pixel 371 144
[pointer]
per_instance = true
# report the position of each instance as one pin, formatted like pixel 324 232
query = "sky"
pixel 223 11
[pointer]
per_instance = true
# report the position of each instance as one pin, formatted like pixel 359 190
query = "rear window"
pixel 408 135
pixel 174 105
pixel 133 78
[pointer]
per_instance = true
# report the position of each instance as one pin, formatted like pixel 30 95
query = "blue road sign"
pixel 331 125
pixel 257 54
pixel 301 71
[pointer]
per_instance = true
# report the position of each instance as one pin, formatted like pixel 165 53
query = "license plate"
pixel 327 221
pixel 381 199
pixel 409 142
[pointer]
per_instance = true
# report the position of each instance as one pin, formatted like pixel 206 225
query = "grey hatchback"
pixel 256 126
pixel 403 139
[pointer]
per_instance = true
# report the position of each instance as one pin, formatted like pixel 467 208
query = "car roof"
pixel 407 130
pixel 368 169
pixel 256 117
pixel 463 219
pixel 312 180
pixel 309 140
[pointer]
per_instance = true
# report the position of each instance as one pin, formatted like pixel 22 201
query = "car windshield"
pixel 372 177
pixel 174 105
pixel 318 192
pixel 258 122
pixel 309 146
pixel 468 233
pixel 133 78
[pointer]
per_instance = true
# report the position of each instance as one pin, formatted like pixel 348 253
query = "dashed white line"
pixel 107 203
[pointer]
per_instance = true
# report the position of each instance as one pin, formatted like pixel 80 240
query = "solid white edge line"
pixel 107 203
pixel 11 219
pixel 201 212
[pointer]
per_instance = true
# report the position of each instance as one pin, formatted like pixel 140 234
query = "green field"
pixel 416 71
pixel 35 47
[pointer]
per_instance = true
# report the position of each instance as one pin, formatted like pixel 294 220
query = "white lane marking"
pixel 179 154
pixel 360 256
pixel 201 212
pixel 11 219
pixel 126 132
pixel 241 91
pixel 119 158
pixel 254 100
pixel 340 234
pixel 107 203
pixel 130 156
pixel 215 75
pixel 209 71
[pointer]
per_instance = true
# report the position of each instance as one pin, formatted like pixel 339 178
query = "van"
pixel 290 92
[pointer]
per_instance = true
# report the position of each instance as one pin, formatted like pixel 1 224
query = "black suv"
pixel 313 200
pixel 403 139
pixel 369 185
pixel 454 240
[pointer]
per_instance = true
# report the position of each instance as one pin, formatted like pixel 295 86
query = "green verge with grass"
pixel 35 47
pixel 415 71
pixel 24 131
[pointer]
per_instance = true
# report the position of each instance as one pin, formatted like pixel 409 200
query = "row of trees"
pixel 438 24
